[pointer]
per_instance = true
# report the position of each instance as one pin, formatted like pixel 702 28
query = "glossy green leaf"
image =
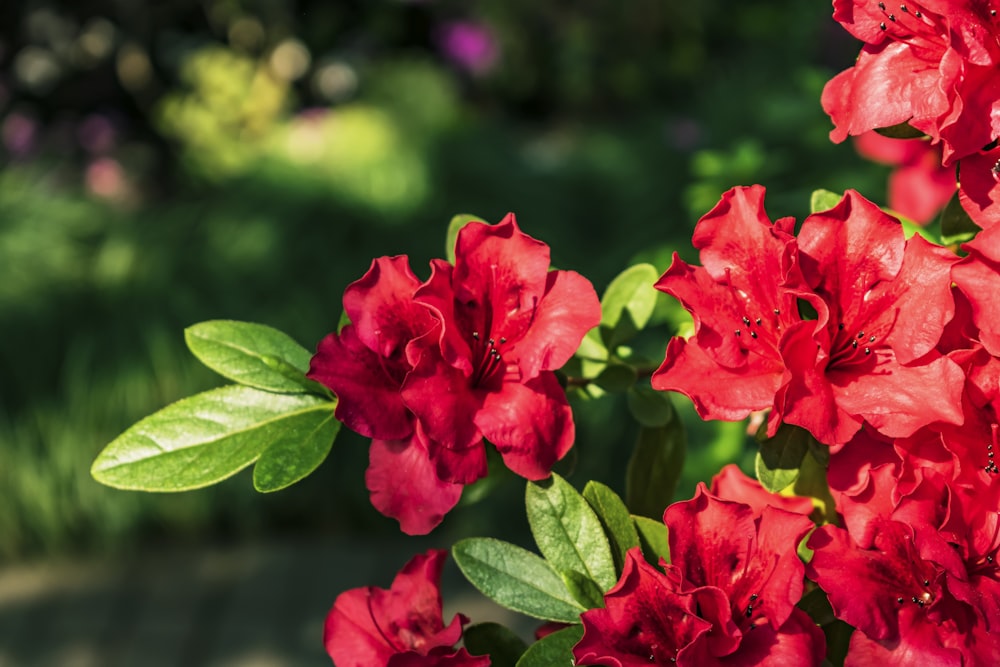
pixel 652 538
pixel 900 131
pixel 616 377
pixel 568 532
pixel 499 642
pixel 780 458
pixel 203 439
pixel 516 579
pixel 295 455
pixel 455 226
pixel 956 225
pixel 251 354
pixel 655 468
pixel 614 517
pixel 583 589
pixel 650 408
pixel 823 200
pixel 628 303
pixel 554 650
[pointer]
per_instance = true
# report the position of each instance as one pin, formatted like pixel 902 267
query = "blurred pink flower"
pixel 470 45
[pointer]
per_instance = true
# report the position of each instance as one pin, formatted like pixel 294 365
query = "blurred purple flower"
pixel 470 45
pixel 97 133
pixel 19 132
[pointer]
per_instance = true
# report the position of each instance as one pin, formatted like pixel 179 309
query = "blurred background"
pixel 169 162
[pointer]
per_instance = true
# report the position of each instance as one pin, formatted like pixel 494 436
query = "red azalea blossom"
pixel 881 303
pixel 507 323
pixel 427 370
pixel 931 64
pixel 979 187
pixel 727 598
pixel 398 627
pixel 978 277
pixel 733 484
pixel 919 187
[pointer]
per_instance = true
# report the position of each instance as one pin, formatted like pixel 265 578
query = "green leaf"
pixel 567 531
pixel 616 377
pixel 655 468
pixel 583 589
pixel 615 519
pixel 900 131
pixel 652 538
pixel 294 456
pixel 554 650
pixel 516 579
pixel 780 458
pixel 251 354
pixel 650 408
pixel 956 225
pixel 203 439
pixel 492 639
pixel 823 200
pixel 455 226
pixel 628 303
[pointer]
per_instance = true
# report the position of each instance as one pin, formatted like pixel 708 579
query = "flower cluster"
pixel 861 338
pixel 429 369
pixel 933 66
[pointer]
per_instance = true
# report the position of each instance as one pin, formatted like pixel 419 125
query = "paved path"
pixel 256 606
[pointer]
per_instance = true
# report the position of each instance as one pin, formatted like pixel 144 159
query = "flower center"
pixel 908 22
pixel 922 596
pixel 991 466
pixel 986 563
pixel 849 349
pixel 488 364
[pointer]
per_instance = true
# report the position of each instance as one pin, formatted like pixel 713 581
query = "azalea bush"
pixel 859 348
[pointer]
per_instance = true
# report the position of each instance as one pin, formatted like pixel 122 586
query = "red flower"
pixel 399 627
pixel 979 187
pixel 871 356
pixel 507 323
pixel 733 484
pixel 727 598
pixel 427 370
pixel 930 64
pixel 919 187
pixel 978 277
pixel 881 304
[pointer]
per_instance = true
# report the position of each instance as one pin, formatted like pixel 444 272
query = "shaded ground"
pixel 253 606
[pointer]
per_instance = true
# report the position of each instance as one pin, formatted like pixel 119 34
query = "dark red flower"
pixel 979 187
pixel 881 305
pixel 398 627
pixel 932 66
pixel 727 598
pixel 919 187
pixel 507 322
pixel 733 484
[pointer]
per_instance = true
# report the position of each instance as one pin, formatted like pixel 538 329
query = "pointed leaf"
pixel 555 650
pixel 583 589
pixel 823 200
pixel 900 131
pixel 780 458
pixel 567 531
pixel 516 579
pixel 203 439
pixel 956 225
pixel 655 468
pixel 456 224
pixel 628 303
pixel 650 408
pixel 294 456
pixel 653 538
pixel 499 642
pixel 251 354
pixel 615 519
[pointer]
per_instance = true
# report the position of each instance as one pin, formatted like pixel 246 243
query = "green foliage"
pixel 554 650
pixel 652 538
pixel 655 466
pixel 956 225
pixel 780 458
pixel 208 437
pixel 252 354
pixel 628 304
pixel 515 578
pixel 568 532
pixel 501 644
pixel 823 200
pixel 615 519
